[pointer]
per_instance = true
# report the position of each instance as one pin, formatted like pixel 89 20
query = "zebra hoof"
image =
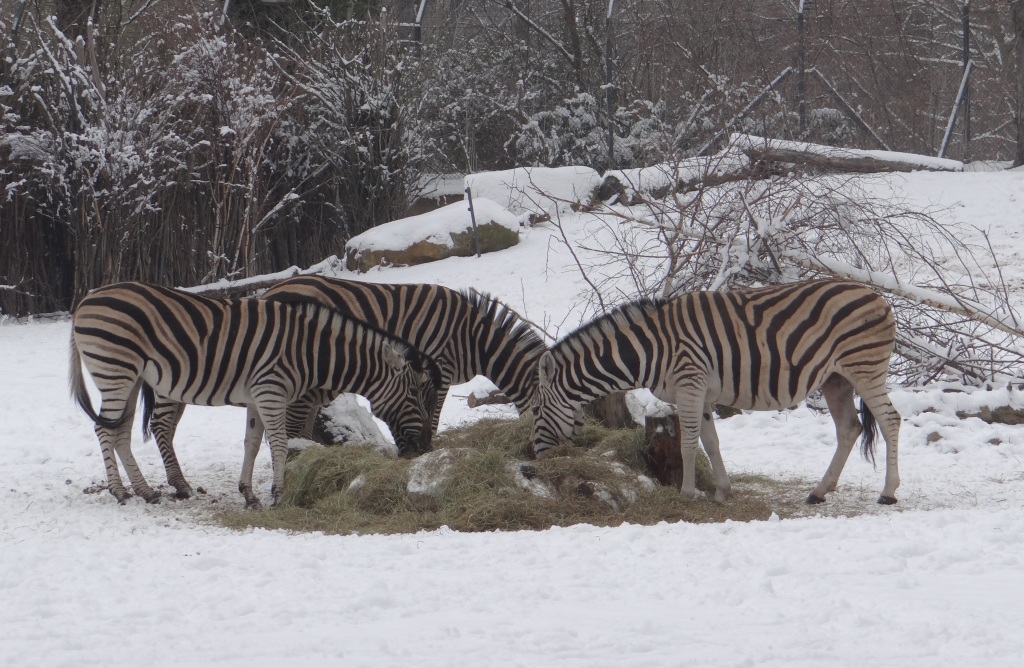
pixel 887 500
pixel 253 504
pixel 182 494
pixel 152 496
pixel 814 499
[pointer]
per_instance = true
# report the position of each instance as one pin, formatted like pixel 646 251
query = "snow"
pixel 536 189
pixel 435 227
pixel 937 580
pixel 914 160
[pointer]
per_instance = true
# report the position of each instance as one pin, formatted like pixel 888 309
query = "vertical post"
pixel 609 86
pixel 418 30
pixel 801 68
pixel 965 16
pixel 17 21
pixel 472 219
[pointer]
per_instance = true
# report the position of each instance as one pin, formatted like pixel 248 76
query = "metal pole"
pixel 801 65
pixel 472 219
pixel 418 31
pixel 609 88
pixel 965 14
pixel 956 107
pixel 17 21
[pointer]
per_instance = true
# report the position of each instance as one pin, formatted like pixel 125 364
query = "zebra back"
pixel 466 333
pixel 197 350
pixel 759 349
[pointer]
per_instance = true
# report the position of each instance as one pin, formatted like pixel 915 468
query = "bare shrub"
pixel 954 316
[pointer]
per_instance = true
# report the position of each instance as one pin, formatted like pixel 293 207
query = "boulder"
pixel 537 192
pixel 346 420
pixel 428 474
pixel 445 232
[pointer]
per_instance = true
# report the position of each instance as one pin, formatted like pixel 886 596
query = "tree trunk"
pixel 74 15
pixel 1017 17
pixel 610 411
pixel 664 461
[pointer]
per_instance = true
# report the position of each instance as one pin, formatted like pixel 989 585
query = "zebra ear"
pixel 394 359
pixel 546 369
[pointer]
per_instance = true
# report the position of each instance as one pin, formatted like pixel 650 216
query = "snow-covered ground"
pixel 936 581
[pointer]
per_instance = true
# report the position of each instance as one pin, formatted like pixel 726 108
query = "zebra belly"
pixel 195 396
pixel 770 394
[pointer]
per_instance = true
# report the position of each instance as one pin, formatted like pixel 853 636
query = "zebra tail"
pixel 76 381
pixel 869 432
pixel 148 399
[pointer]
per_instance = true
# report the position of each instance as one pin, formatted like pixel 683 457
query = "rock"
pixel 526 478
pixel 345 421
pixel 538 193
pixel 446 232
pixel 428 473
pixel 999 414
pixel 486 398
pixel 617 491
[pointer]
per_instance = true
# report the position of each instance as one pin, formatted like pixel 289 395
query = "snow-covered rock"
pixel 345 421
pixel 537 191
pixel 642 404
pixel 442 233
pixel 428 473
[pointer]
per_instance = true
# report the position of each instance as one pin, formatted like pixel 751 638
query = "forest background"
pixel 182 142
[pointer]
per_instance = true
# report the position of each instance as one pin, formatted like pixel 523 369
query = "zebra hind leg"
pixel 880 407
pixel 119 440
pixel 114 484
pixel 164 423
pixel 838 393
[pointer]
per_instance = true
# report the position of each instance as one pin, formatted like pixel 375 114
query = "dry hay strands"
pixel 483 480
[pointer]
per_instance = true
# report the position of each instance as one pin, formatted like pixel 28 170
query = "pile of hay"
pixel 490 483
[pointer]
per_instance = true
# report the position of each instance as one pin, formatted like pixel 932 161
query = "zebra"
pixel 464 333
pixel 242 352
pixel 755 349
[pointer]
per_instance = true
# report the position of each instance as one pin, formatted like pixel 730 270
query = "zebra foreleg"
pixel 838 393
pixel 253 436
pixel 690 411
pixel 709 438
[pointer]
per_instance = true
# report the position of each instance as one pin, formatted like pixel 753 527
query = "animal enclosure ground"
pixel 935 582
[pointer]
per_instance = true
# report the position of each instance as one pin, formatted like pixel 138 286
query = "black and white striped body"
pixel 465 334
pixel 243 352
pixel 763 349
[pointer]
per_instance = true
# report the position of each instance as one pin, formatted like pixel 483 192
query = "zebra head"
pixel 554 412
pixel 409 403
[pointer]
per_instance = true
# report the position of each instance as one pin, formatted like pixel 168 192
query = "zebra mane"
pixel 622 315
pixel 419 360
pixel 500 316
